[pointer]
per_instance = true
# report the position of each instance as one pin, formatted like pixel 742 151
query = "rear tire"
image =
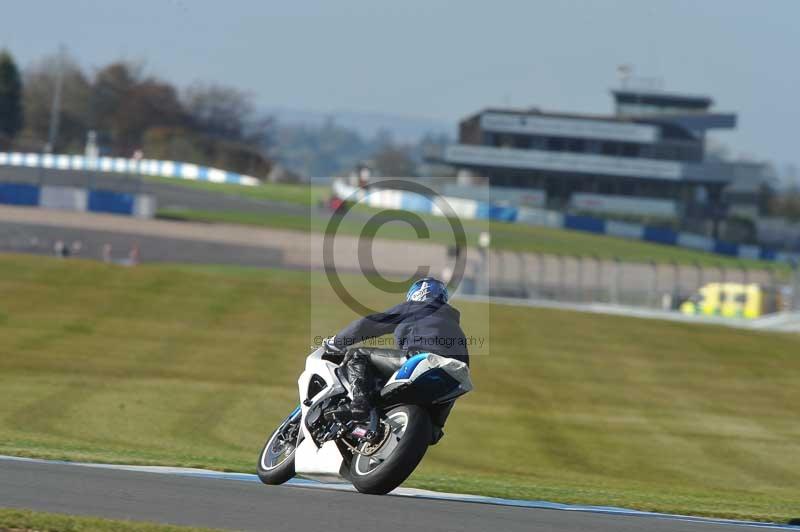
pixel 404 447
pixel 276 460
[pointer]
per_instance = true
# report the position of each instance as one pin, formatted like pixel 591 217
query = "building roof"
pixel 653 97
pixel 535 111
pixel 688 121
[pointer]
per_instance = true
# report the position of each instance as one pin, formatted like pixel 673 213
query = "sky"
pixel 445 60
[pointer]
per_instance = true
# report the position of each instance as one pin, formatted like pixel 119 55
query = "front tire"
pixel 276 461
pixel 396 457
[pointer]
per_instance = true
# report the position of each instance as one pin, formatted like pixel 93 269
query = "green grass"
pixel 505 236
pixel 193 366
pixel 302 194
pixel 25 520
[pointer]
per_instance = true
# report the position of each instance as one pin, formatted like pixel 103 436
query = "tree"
pixel 219 111
pixel 112 84
pixel 125 104
pixel 227 113
pixel 10 96
pixel 392 161
pixel 148 104
pixel 214 125
pixel 40 84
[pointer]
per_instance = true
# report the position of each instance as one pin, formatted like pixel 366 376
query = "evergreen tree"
pixel 10 96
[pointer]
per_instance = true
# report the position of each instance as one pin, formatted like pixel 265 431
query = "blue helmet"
pixel 427 289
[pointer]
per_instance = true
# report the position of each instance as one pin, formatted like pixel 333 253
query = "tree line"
pixel 130 111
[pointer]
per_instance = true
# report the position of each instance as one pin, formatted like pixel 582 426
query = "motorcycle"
pixel 413 396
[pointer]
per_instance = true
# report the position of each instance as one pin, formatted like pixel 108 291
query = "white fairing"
pixel 309 461
pixel 325 462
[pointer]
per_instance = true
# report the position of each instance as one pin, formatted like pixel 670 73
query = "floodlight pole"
pixel 55 108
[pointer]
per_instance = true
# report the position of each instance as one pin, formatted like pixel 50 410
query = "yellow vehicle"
pixel 731 300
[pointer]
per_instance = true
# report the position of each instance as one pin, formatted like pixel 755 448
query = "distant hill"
pixel 403 129
pixel 319 144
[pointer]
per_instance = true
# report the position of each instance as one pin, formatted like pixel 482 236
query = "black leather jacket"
pixel 417 326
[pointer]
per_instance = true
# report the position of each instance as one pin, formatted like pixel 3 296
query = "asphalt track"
pixel 240 502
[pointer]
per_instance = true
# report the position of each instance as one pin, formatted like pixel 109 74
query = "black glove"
pixel 330 346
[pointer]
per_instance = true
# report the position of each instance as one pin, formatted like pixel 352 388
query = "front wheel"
pixel 380 467
pixel 276 461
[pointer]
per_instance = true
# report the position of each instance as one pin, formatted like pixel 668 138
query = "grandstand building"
pixel 647 159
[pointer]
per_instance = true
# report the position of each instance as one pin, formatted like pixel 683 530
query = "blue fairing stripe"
pixel 294 413
pixel 410 365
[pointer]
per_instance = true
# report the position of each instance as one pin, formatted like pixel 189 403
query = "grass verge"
pixel 28 521
pixel 298 194
pixel 193 366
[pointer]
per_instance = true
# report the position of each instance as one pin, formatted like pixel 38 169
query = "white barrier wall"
pixel 698 242
pixel 624 229
pixel 523 197
pixel 144 206
pixel 152 167
pixel 65 198
pixel 610 204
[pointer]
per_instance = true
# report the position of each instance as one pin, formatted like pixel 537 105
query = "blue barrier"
pixel 660 235
pixel 19 194
pixel 768 254
pixel 504 214
pixel 72 198
pixel 487 211
pixel 585 223
pixel 726 248
pixel 113 202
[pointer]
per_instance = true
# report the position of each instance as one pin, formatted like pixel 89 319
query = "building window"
pixel 592 146
pixel 555 144
pixel 522 142
pixel 576 145
pixel 626 188
pixel 610 148
pixel 538 143
pixel 630 149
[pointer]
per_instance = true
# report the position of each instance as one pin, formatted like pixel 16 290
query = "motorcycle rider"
pixel 425 322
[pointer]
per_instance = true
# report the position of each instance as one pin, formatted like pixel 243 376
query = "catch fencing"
pixel 587 279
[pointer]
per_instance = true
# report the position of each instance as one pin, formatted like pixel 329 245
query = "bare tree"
pixel 218 110
pixel 40 83
pixel 125 105
pixel 392 161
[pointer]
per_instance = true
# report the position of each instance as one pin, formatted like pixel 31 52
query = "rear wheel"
pixel 380 467
pixel 276 461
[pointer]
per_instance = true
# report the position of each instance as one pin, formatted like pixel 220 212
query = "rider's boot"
pixel 358 375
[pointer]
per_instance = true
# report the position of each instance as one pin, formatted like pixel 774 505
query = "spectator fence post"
pixel 615 281
pixel 795 286
pixel 521 277
pixel 598 287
